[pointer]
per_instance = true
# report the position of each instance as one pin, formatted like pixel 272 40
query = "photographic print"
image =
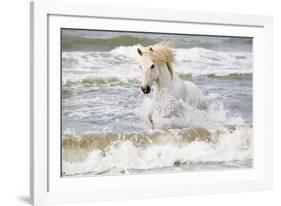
pixel 138 102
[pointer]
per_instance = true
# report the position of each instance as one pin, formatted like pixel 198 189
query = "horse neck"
pixel 165 80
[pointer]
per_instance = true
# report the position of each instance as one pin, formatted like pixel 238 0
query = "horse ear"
pixel 140 52
pixel 150 48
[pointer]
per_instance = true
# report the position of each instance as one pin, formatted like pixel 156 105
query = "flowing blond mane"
pixel 160 53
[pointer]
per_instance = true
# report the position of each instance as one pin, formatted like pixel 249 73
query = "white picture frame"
pixel 47 186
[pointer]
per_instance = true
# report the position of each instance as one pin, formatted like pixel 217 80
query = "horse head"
pixel 152 59
pixel 149 71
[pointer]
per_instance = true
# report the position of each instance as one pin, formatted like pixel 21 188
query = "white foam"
pixel 70 78
pixel 210 56
pixel 124 156
pixel 128 52
pixel 122 62
pixel 169 112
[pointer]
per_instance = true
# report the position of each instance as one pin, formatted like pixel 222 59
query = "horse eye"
pixel 152 66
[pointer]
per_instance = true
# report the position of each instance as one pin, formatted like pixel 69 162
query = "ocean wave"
pixel 126 58
pixel 210 56
pixel 119 65
pixel 192 137
pixel 195 54
pixel 86 43
pixel 218 75
pixel 85 40
pixel 122 153
pixel 91 79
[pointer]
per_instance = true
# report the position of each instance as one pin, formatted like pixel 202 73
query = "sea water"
pixel 104 111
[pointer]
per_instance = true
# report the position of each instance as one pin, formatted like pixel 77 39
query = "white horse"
pixel 156 66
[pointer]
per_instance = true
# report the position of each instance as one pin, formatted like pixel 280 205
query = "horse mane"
pixel 161 53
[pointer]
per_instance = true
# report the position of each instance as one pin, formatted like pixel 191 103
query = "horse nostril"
pixel 143 89
pixel 148 89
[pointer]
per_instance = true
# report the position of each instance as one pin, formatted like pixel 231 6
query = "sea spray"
pixel 115 153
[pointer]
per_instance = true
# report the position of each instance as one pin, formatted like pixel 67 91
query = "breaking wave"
pixel 116 154
pixel 91 79
pixel 193 137
pixel 92 68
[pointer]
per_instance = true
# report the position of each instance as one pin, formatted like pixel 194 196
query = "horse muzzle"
pixel 146 90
